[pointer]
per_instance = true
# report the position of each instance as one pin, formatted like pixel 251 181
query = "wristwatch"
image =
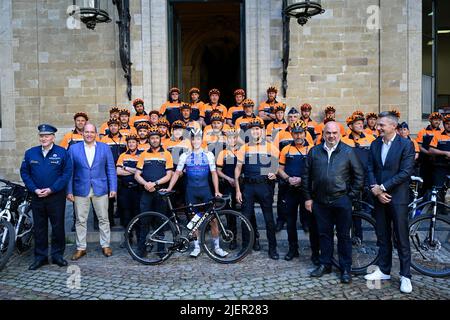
pixel 287 179
pixel 156 183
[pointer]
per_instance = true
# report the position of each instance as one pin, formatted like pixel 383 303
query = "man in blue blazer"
pixel 391 164
pixel 94 179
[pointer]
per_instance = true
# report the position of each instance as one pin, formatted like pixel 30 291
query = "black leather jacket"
pixel 325 181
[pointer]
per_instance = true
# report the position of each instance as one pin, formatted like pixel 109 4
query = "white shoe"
pixel 405 285
pixel 220 252
pixel 195 252
pixel 377 275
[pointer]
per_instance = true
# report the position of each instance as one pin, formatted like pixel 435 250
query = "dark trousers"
pixel 386 216
pixel 339 213
pixel 295 204
pixel 128 203
pixel 281 202
pixel 426 172
pixel 263 194
pixel 49 208
pixel 150 201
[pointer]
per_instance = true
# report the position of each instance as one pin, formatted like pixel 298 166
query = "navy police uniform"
pixel 50 171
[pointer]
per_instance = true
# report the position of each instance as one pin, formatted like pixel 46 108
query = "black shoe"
pixel 346 277
pixel 279 226
pixel 292 253
pixel 315 260
pixel 60 262
pixel 273 254
pixel 233 244
pixel 37 264
pixel 320 271
pixel 256 245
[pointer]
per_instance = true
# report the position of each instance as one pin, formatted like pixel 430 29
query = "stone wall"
pixel 48 72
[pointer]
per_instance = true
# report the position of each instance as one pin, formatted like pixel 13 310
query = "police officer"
pixel 305 109
pixel 258 161
pixel 72 137
pixel 440 147
pixel 141 115
pixel 46 170
pixel 265 109
pixel 171 108
pixel 117 144
pixel 128 195
pixel 237 110
pixel 196 103
pixel 426 159
pixel 153 170
pixel 292 166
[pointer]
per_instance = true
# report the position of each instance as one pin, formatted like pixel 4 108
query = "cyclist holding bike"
pixel 199 165
pixel 154 168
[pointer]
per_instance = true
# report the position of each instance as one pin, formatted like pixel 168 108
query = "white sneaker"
pixel 405 285
pixel 377 275
pixel 195 252
pixel 220 252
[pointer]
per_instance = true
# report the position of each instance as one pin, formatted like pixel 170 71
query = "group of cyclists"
pixel 202 150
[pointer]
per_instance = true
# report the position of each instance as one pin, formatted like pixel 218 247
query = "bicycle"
pixel 6 242
pixel 429 235
pixel 152 237
pixel 364 239
pixel 15 206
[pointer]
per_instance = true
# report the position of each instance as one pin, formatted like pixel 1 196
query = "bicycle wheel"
pixel 149 238
pixel 430 256
pixel 24 239
pixel 235 236
pixel 7 236
pixel 364 243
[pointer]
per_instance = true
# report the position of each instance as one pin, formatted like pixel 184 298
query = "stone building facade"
pixel 346 57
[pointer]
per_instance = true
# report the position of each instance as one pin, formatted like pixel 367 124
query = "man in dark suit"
pixel 391 164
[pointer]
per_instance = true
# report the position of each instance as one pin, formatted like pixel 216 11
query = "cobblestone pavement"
pixel 181 277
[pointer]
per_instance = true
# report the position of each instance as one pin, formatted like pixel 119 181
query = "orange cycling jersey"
pixel 154 164
pixel 274 127
pixel 71 138
pixel 319 128
pixel 427 134
pixel 234 113
pixel 135 120
pixel 284 137
pixel 143 145
pixel 127 131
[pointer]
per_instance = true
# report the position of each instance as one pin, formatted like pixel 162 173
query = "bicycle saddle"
pixel 165 193
pixel 414 178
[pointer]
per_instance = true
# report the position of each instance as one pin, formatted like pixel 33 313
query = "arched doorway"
pixel 206 47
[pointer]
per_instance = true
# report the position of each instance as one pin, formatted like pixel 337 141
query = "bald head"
pixel 331 133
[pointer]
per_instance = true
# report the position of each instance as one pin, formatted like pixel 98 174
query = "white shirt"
pixel 329 150
pixel 45 152
pixel 90 153
pixel 385 148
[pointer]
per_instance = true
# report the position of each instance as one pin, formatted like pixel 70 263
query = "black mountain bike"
pixel 152 237
pixel 364 239
pixel 429 234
